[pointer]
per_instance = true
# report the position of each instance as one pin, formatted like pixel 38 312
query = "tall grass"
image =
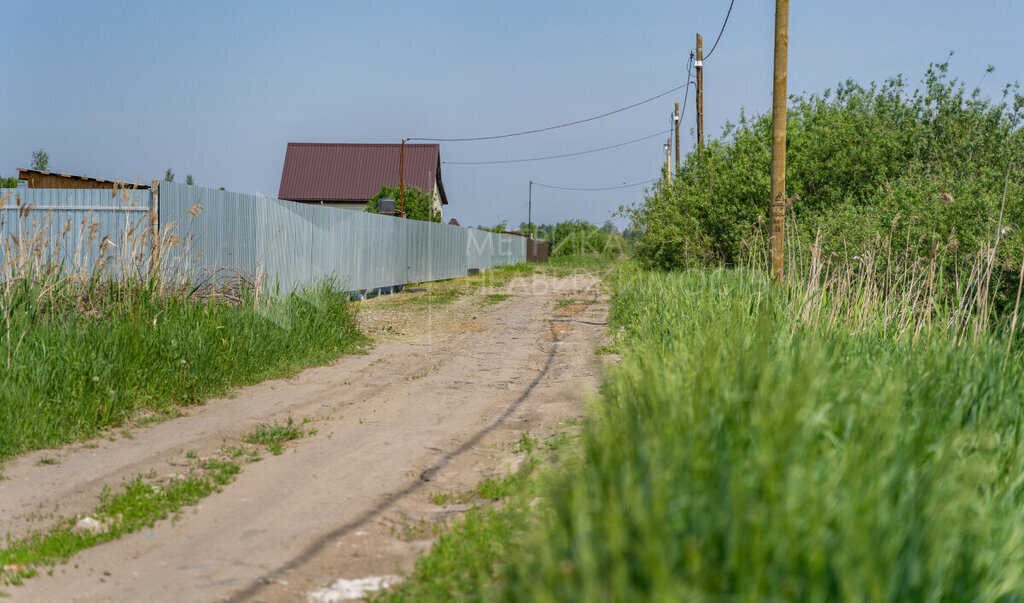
pixel 747 450
pixel 115 330
pixel 895 284
pixel 740 454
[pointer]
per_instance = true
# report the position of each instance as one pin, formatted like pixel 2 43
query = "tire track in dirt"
pixel 389 501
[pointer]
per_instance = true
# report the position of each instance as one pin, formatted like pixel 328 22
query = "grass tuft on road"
pixel 140 503
pixel 274 435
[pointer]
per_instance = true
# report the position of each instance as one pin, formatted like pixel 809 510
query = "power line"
pixel 605 188
pixel 686 97
pixel 721 31
pixel 549 128
pixel 614 146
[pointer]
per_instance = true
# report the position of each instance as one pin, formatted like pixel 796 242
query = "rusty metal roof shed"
pixel 355 172
pixel 41 179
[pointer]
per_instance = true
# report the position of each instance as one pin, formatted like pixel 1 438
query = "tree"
pixel 525 229
pixel 11 182
pixel 501 227
pixel 169 176
pixel 40 160
pixel 189 180
pixel 418 204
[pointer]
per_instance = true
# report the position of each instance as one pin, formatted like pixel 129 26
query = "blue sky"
pixel 217 89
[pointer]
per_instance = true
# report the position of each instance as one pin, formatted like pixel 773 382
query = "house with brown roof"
pixel 348 175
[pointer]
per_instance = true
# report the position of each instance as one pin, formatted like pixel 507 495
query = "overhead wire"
pixel 686 97
pixel 721 31
pixel 613 146
pixel 555 127
pixel 603 188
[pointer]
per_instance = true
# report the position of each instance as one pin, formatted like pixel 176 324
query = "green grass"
pixel 463 562
pixel 741 454
pixel 569 265
pixel 494 298
pixel 274 435
pixel 140 503
pixel 499 276
pixel 491 488
pixel 436 295
pixel 565 303
pixel 444 292
pixel 77 372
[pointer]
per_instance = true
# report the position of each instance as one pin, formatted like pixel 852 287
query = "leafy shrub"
pixel 577 237
pixel 926 167
pixel 419 205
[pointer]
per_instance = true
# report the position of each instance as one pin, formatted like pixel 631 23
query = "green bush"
pixel 925 167
pixel 577 237
pixel 419 205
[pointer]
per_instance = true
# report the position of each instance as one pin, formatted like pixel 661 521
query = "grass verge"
pixel 739 453
pixel 136 353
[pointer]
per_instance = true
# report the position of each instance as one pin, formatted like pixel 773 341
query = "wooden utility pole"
pixel 699 64
pixel 778 198
pixel 154 217
pixel 668 160
pixel 529 213
pixel 675 118
pixel 401 177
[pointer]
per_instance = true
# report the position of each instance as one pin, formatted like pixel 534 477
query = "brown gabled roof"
pixel 355 172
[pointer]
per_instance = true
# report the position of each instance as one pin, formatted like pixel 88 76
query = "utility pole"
pixel 675 118
pixel 668 160
pixel 699 64
pixel 529 213
pixel 401 177
pixel 154 217
pixel 778 198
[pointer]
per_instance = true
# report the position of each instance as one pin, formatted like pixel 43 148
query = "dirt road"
pixel 436 407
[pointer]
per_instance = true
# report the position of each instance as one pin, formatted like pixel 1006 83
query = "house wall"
pixel 437 201
pixel 354 205
pixel 361 205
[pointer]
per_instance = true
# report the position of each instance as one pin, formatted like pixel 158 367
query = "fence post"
pixel 154 218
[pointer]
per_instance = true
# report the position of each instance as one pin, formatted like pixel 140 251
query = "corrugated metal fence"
pixel 294 243
pixel 74 228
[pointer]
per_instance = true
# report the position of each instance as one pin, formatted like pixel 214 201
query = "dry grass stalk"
pixel 75 264
pixel 888 285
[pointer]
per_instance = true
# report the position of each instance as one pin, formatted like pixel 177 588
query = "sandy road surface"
pixel 436 408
